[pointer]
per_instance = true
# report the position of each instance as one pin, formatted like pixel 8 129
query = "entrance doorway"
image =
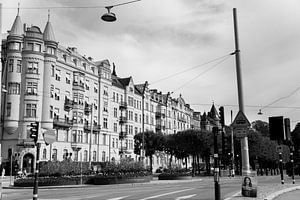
pixel 28 163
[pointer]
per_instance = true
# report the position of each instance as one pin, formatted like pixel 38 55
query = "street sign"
pixel 49 136
pixel 240 132
pixel 240 121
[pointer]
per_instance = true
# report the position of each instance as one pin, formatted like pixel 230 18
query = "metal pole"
pixel 216 165
pixel 36 173
pixel 292 163
pixel 281 167
pixel 2 120
pixel 80 168
pixel 11 168
pixel 143 123
pixel 244 140
pixel 232 149
pixel 90 145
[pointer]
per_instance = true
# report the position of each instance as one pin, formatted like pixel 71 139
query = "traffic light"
pixel 287 129
pixel 276 128
pixel 221 113
pixel 34 131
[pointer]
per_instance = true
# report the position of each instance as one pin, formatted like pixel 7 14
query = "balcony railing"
pixel 69 104
pixel 78 85
pixel 123 105
pixel 62 123
pixel 87 127
pixel 87 108
pixel 122 135
pixel 123 120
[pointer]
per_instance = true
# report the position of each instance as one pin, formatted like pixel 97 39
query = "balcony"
pixel 123 150
pixel 76 146
pixel 78 85
pixel 122 135
pixel 122 120
pixel 159 114
pixel 159 127
pixel 62 123
pixel 69 104
pixel 123 105
pixel 87 108
pixel 87 127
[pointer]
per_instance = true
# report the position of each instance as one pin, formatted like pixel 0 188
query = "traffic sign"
pixel 240 132
pixel 49 136
pixel 240 121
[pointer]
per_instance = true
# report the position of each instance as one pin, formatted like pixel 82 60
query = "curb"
pixel 276 194
pixel 156 182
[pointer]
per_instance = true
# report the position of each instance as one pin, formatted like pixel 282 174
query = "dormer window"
pixel 65 57
pixel 75 61
pixel 84 66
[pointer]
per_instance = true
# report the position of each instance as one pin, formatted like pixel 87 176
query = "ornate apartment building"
pixel 95 113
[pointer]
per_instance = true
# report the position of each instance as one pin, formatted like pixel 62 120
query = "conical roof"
pixel 213 112
pixel 48 33
pixel 17 28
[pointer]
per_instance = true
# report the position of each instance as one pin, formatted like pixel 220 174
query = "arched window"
pixel 103 156
pixel 54 155
pixel 85 155
pixel 44 154
pixel 65 154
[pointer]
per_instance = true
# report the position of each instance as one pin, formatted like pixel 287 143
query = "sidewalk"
pixel 269 191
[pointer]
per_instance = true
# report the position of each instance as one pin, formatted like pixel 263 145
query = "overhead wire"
pixel 202 73
pixel 188 69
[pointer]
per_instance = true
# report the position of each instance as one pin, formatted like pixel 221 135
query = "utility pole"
pixel 244 140
pixel 143 122
pixel 215 131
pixel 232 149
pixel 247 190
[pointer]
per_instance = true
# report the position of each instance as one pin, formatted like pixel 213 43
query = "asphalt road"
pixel 198 189
pixel 289 196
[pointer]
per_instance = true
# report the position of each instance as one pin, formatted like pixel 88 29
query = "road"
pixel 289 196
pixel 197 189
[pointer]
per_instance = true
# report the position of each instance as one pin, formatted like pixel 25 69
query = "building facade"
pixel 95 113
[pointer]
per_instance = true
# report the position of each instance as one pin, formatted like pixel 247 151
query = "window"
pixel 11 65
pixel 117 143
pixel 104 139
pixel 85 155
pixel 56 113
pixel 52 70
pixel 65 154
pixel 51 112
pixel 14 46
pixel 54 155
pixel 114 96
pixel 44 156
pixel 80 136
pixel 30 46
pixel 19 66
pixel 37 47
pixel 13 88
pixel 113 143
pixel 51 91
pixel 115 127
pixel 105 91
pixel 65 57
pixel 87 84
pixel 136 117
pixel 8 109
pixel 95 87
pixel 105 123
pixel 30 110
pixel 32 68
pixel 105 106
pixel 31 88
pixel 57 75
pixel 94 156
pixel 68 78
pixel 51 50
pixel 151 108
pixel 57 93
pixel 115 112
pixel 74 136
pixel 76 156
pixel 136 130
pixel 103 156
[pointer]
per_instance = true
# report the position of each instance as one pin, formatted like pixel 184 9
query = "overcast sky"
pixel 153 39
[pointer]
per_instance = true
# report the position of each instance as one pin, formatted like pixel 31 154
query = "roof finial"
pixel 18 9
pixel 48 15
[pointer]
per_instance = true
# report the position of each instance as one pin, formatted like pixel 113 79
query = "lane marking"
pixel 185 197
pixel 160 195
pixel 118 198
pixel 232 196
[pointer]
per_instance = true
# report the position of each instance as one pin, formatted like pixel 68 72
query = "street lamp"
pixel 111 17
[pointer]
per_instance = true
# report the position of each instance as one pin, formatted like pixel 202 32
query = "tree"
pixel 261 127
pixel 153 142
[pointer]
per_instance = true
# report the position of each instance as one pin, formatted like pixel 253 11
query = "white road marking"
pixel 160 195
pixel 118 198
pixel 234 195
pixel 185 197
